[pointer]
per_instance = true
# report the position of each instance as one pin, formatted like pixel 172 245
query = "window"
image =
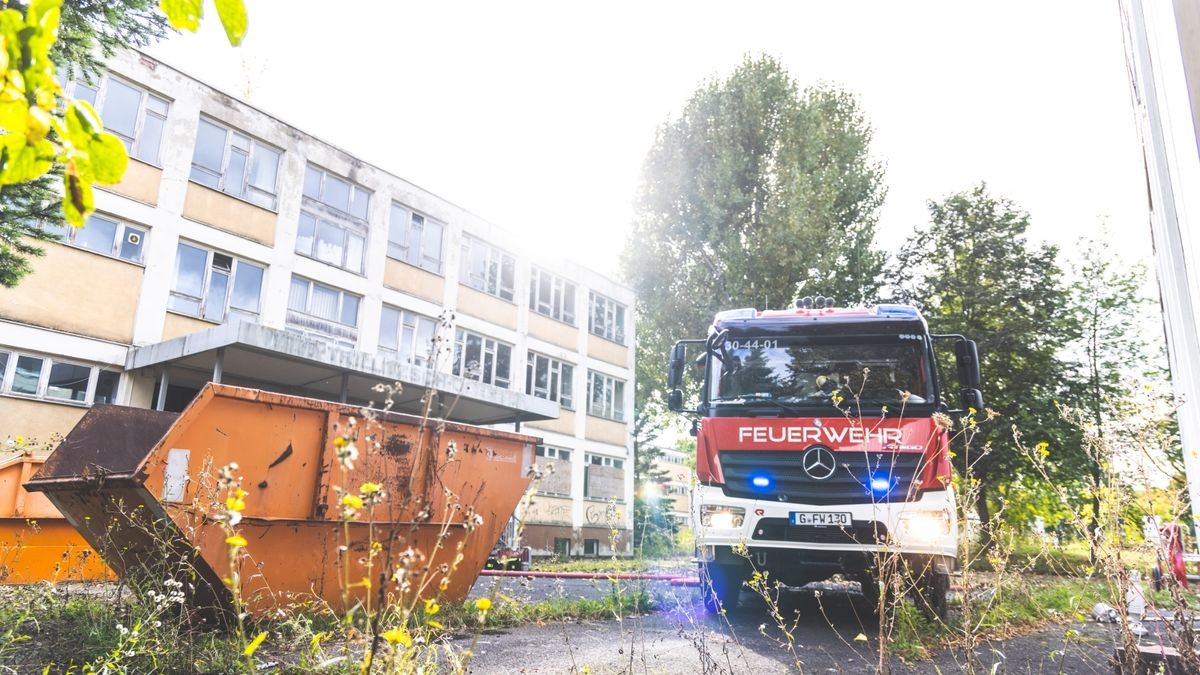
pixel 557 481
pixel 323 309
pixel 553 453
pixel 606 396
pixel 333 220
pixel 482 358
pixel 603 477
pixel 607 318
pixel 105 235
pixel 230 161
pixel 487 268
pixel 591 547
pixel 415 239
pixel 549 378
pixel 562 547
pixel 552 296
pixel 53 380
pixel 213 285
pixel 133 114
pixel 408 335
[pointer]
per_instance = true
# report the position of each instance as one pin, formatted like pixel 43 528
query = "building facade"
pixel 242 250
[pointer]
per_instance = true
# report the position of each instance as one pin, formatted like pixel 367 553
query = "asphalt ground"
pixel 826 624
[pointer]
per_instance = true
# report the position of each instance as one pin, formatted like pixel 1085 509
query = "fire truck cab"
pixel 819 449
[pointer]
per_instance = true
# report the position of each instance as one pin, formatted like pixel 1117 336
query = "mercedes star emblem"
pixel 819 462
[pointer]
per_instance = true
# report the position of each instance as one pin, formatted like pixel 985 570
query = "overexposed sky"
pixel 537 115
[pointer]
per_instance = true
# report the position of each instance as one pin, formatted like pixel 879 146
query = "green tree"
pixel 755 191
pixel 973 272
pixel 89 31
pixel 653 531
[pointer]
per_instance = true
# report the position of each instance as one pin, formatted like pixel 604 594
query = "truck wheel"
pixel 933 596
pixel 720 587
pixel 871 593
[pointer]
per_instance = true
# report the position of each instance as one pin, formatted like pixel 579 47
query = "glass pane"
pixel 619 329
pixel 131 244
pixel 354 252
pixel 337 193
pixel 398 228
pixel 298 295
pixel 205 177
pixel 218 289
pixel 29 371
pixel 305 233
pixel 312 182
pixel 425 330
pixel 324 302
pixel 361 203
pixel 503 365
pixel 150 139
pixel 619 400
pixel 486 369
pixel 247 287
pixel 473 356
pixel 241 142
pixel 97 235
pixel 3 368
pixel 235 174
pixel 68 382
pixel 85 92
pixel 541 374
pixel 210 146
pixel 156 104
pixel 331 243
pixel 120 110
pixel 389 328
pixel 106 387
pixel 569 303
pixel 567 398
pixel 189 270
pixel 507 274
pixel 349 309
pixel 264 166
pixel 183 304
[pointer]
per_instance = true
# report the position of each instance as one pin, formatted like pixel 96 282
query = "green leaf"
pixel 78 200
pixel 21 162
pixel 233 18
pixel 183 14
pixel 108 158
pixel 82 123
pixel 12 116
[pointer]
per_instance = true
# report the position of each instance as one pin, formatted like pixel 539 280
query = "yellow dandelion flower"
pixel 445 583
pixel 353 501
pixel 370 488
pixel 431 607
pixel 483 604
pixel 235 504
pixel 20 440
pixel 236 540
pixel 434 624
pixel 398 636
pixel 340 442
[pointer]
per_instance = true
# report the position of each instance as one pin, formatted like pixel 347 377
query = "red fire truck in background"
pixel 817 451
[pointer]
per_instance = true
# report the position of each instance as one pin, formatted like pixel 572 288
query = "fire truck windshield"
pixel 808 372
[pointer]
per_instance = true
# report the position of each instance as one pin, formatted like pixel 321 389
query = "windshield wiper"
pixel 759 398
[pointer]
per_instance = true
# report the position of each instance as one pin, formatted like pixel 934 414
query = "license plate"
pixel 820 518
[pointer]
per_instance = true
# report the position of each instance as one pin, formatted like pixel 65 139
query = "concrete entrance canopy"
pixel 249 354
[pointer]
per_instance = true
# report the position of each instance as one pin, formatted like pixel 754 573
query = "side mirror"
pixel 966 356
pixel 970 398
pixel 675 401
pixel 675 367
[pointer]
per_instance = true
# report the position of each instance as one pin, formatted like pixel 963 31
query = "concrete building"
pixel 240 249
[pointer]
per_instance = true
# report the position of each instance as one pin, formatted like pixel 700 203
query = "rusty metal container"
pixel 143 487
pixel 36 543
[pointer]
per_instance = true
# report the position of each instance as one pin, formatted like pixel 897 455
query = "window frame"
pixel 554 368
pixel 226 153
pixel 613 407
pixel 613 329
pixel 459 367
pixel 397 250
pixel 42 388
pixel 101 97
pixel 495 258
pixel 558 295
pixel 340 332
pixel 237 263
pixel 68 235
pixel 346 221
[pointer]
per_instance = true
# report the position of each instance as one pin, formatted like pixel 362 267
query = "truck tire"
pixel 933 596
pixel 871 593
pixel 721 587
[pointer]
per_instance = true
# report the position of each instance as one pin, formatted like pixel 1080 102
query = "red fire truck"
pixel 817 451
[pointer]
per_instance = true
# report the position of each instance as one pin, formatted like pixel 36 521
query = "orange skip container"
pixel 143 488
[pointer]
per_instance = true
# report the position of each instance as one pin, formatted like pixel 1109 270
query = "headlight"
pixel 722 517
pixel 925 525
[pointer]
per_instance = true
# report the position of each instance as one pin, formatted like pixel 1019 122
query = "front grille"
pixel 848 484
pixel 866 532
